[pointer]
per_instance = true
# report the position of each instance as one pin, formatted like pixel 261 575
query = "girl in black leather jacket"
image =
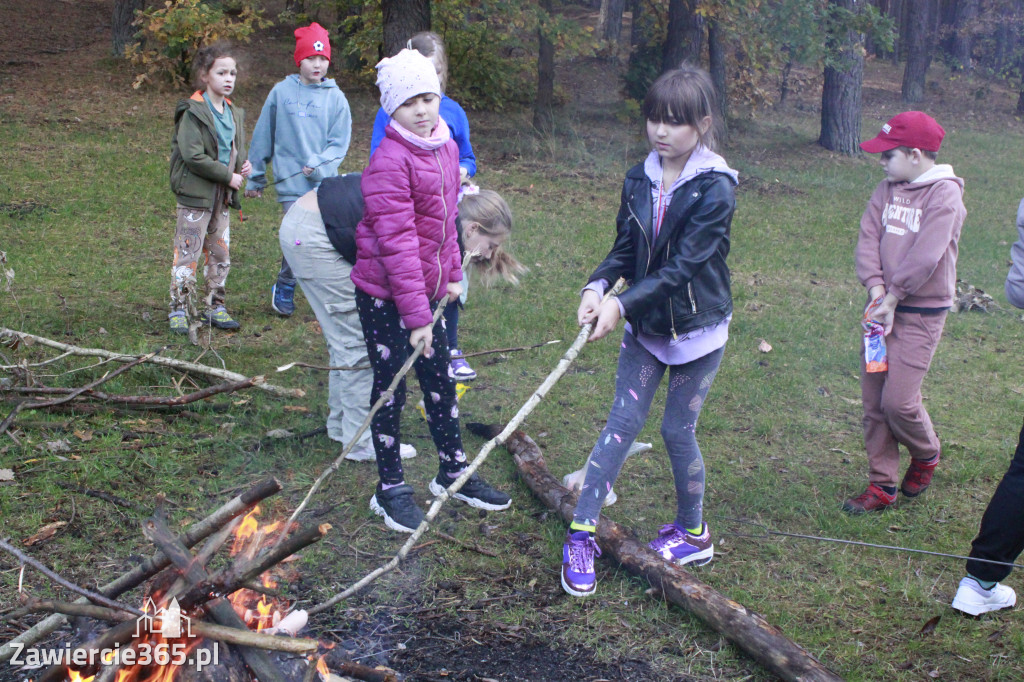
pixel 671 246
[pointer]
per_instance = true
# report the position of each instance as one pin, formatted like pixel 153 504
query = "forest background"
pixel 551 90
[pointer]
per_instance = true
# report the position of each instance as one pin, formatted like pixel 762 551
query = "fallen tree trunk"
pixel 761 640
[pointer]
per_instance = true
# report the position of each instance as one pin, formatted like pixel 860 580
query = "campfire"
pixel 199 623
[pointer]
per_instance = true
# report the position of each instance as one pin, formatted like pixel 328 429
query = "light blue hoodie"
pixel 300 125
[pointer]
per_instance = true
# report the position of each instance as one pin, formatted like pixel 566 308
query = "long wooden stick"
pixel 346 368
pixel 155 563
pixel 761 640
pixel 384 397
pixel 220 609
pixel 163 401
pixel 181 365
pixel 295 645
pixel 94 597
pixel 76 392
pixel 439 501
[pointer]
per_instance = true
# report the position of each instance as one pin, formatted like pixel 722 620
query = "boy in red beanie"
pixel 906 258
pixel 304 130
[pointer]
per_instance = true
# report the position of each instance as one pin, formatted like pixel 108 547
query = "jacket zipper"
pixel 644 232
pixel 671 313
pixel 444 225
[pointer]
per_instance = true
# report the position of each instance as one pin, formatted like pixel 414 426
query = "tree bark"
pixel 403 18
pixel 684 40
pixel 920 36
pixel 717 69
pixel 841 92
pixel 963 35
pixel 544 103
pixel 759 639
pixel 122 28
pixel 609 26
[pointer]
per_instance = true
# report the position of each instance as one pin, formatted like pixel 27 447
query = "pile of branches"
pixel 181 577
pixel 25 388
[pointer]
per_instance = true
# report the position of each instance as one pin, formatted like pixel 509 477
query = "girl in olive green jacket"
pixel 206 173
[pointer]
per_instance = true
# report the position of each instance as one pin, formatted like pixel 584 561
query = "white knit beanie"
pixel 405 75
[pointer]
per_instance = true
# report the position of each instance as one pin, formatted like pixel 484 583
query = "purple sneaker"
pixel 676 545
pixel 578 576
pixel 460 368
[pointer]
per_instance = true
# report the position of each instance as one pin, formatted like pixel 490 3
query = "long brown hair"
pixel 493 217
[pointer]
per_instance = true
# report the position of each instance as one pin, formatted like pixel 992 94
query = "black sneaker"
pixel 220 318
pixel 398 508
pixel 476 492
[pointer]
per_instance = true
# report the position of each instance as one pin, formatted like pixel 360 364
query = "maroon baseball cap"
pixel 914 129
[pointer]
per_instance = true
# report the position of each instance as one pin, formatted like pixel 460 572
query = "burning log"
pixel 220 609
pixel 761 640
pixel 155 563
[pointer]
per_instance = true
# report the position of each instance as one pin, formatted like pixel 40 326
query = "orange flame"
pixel 321 667
pixel 75 676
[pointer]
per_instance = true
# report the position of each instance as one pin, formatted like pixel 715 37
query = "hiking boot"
pixel 973 599
pixel 873 499
pixel 918 477
pixel 680 547
pixel 460 369
pixel 476 492
pixel 282 298
pixel 179 322
pixel 578 576
pixel 366 453
pixel 219 318
pixel 398 508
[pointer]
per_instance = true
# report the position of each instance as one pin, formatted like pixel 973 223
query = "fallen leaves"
pixel 764 346
pixel 44 533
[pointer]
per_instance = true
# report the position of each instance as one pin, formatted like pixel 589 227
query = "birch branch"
pixel 440 500
pixel 181 365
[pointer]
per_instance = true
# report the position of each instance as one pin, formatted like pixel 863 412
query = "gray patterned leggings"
pixel 636 380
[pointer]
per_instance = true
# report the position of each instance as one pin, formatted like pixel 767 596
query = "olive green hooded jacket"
pixel 195 170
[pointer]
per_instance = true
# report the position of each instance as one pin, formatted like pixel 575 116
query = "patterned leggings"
pixel 636 380
pixel 387 344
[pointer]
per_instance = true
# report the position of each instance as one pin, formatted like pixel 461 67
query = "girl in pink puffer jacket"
pixel 407 260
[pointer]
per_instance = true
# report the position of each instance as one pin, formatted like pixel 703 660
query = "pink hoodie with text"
pixel 908 238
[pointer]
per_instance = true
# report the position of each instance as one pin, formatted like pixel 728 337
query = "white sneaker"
pixel 973 599
pixel 365 452
pixel 362 453
pixel 574 481
pixel 637 447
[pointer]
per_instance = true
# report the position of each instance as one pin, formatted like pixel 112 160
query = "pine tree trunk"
pixel 403 18
pixel 841 93
pixel 919 49
pixel 610 22
pixel 122 30
pixel 963 35
pixel 684 40
pixel 545 100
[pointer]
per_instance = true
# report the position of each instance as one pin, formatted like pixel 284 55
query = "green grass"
pixel 780 433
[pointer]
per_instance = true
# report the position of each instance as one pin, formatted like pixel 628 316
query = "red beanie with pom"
pixel 311 40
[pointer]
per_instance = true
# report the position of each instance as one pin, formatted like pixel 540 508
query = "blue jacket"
pixel 300 125
pixel 454 115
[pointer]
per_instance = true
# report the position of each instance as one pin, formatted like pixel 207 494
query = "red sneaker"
pixel 918 477
pixel 873 499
